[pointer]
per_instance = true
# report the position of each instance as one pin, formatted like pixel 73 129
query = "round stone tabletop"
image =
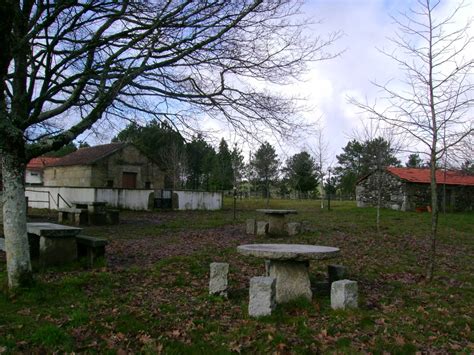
pixel 297 252
pixel 278 212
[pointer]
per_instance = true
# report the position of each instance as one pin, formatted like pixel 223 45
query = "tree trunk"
pixel 14 222
pixel 434 220
pixel 379 199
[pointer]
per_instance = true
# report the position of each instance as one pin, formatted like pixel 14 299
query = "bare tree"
pixel 433 103
pixel 320 152
pixel 67 65
pixel 381 145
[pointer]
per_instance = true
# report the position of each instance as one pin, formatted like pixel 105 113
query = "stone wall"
pixel 76 175
pixel 131 160
pixel 108 172
pixel 394 194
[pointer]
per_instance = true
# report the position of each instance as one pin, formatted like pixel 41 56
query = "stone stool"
pixel 262 296
pixel 293 228
pixel 336 273
pixel 344 294
pixel 262 228
pixel 218 279
pixel 250 226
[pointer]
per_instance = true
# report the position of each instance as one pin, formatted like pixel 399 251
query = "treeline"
pixel 197 165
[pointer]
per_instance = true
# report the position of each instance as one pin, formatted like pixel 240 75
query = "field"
pixel 150 293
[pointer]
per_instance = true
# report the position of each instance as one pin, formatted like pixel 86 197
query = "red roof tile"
pixel 422 175
pixel 89 155
pixel 40 162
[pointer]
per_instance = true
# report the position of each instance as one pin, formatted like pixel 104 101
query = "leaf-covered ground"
pixel 150 294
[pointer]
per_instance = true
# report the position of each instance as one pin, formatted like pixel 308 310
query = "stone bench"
pixel 90 247
pixel 75 216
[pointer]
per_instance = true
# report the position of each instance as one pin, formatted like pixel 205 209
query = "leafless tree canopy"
pixel 433 102
pixel 66 64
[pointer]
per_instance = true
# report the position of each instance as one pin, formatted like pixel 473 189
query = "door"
pixel 129 180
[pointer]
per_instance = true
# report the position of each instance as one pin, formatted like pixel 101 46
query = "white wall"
pixel 33 177
pixel 199 200
pixel 118 198
pixel 133 199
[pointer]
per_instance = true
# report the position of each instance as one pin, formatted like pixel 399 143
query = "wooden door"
pixel 129 180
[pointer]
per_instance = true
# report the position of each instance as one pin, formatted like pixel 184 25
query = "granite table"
pixel 289 265
pixel 54 244
pixel 277 221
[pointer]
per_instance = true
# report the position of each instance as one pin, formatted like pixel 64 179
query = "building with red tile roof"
pixel 409 189
pixel 120 165
pixel 35 168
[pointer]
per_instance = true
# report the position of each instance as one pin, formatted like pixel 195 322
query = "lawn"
pixel 150 295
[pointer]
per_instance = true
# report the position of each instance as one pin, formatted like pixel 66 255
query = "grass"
pixel 152 296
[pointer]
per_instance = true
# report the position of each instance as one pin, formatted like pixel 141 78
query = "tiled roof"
pixel 89 155
pixel 40 162
pixel 422 175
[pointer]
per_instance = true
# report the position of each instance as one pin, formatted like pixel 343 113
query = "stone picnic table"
pixel 276 221
pixel 54 244
pixel 289 265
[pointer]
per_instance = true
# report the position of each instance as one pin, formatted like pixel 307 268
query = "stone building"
pixel 408 189
pixel 114 165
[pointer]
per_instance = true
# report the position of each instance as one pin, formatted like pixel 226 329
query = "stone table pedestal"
pixel 277 221
pixel 289 265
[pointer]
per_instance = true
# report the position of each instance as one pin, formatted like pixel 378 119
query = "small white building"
pixel 35 168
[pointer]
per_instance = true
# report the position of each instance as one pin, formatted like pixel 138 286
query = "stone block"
pixel 113 217
pixel 292 280
pixel 262 228
pixel 218 279
pixel 267 267
pixel 261 296
pixel 57 251
pixel 344 294
pixel 336 273
pixel 250 226
pixel 293 228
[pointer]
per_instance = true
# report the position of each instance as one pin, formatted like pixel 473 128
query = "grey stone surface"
pixel 261 296
pixel 52 230
pixel 292 280
pixel 298 252
pixel 218 279
pixel 250 226
pixel 277 212
pixel 336 273
pixel 293 228
pixel 277 221
pixel 262 228
pixel 344 294
pixel 267 267
pixel 57 251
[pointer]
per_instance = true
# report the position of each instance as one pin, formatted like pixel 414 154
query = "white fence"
pixel 199 200
pixel 60 197
pixel 132 199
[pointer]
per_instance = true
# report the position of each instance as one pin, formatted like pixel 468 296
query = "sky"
pixel 365 25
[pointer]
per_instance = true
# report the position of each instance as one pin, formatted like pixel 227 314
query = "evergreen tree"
pixel 200 162
pixel 223 174
pixel 414 161
pixel 302 172
pixel 265 165
pixel 360 159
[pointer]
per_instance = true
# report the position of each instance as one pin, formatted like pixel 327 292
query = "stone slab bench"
pixel 90 247
pixel 75 216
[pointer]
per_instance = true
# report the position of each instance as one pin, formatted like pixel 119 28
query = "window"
pixel 147 185
pixel 110 183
